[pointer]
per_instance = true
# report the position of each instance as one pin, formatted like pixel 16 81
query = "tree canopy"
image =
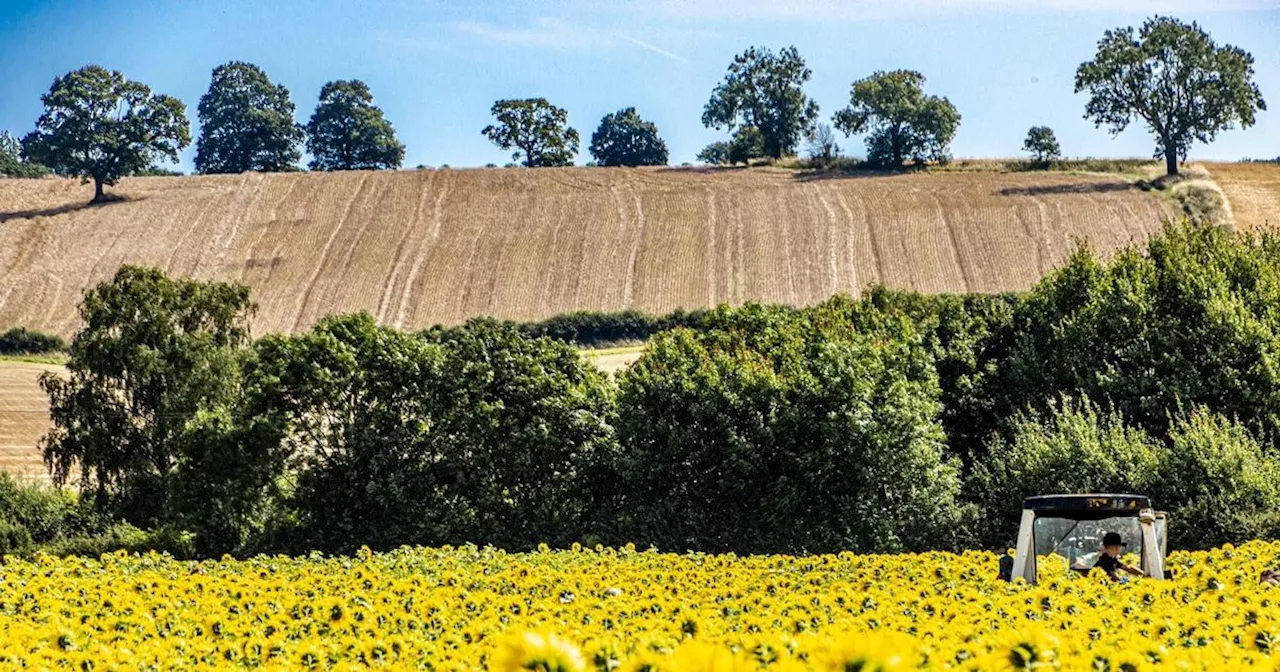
pixel 99 126
pixel 536 129
pixel 154 355
pixel 348 132
pixel 246 123
pixel 1042 144
pixel 1175 79
pixel 765 91
pixel 624 139
pixel 900 120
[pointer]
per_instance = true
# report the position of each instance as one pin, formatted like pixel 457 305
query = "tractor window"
pixel 1063 544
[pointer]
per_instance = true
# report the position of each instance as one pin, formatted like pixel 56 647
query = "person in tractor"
pixel 1112 546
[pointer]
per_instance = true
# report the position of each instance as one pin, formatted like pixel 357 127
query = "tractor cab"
pixel 1060 534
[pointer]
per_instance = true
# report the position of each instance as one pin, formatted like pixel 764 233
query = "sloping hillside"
pixel 424 247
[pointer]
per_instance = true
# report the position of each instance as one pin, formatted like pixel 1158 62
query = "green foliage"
pixel 969 335
pixel 624 139
pixel 246 123
pixel 772 430
pixel 1218 482
pixel 99 126
pixel 593 329
pixel 1072 447
pixel 348 132
pixel 12 163
pixel 900 121
pixel 1042 144
pixel 1175 79
pixel 716 154
pixel 1192 321
pixel 765 91
pixel 23 341
pixel 154 354
pixel 536 129
pixel 475 433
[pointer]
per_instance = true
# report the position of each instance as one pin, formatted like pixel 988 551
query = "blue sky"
pixel 436 67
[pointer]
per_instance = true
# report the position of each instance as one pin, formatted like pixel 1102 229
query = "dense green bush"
pixel 1193 321
pixel 475 433
pixel 775 431
pixel 595 329
pixel 1219 483
pixel 23 341
pixel 1072 447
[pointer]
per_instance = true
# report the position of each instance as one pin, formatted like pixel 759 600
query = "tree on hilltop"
pixel 901 122
pixel 1042 144
pixel 624 139
pixel 246 123
pixel 765 91
pixel 99 126
pixel 348 132
pixel 536 129
pixel 1173 77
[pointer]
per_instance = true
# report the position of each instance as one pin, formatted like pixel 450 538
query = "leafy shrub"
pixel 23 341
pixel 1192 321
pixel 596 329
pixel 1073 447
pixel 476 433
pixel 14 538
pixel 1218 482
pixel 772 430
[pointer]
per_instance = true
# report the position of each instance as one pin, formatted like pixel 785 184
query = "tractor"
pixel 1072 527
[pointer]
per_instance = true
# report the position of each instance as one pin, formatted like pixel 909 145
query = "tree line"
pixel 895 421
pixel 98 125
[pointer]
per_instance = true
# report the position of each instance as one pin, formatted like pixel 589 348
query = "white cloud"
pixel 859 10
pixel 556 33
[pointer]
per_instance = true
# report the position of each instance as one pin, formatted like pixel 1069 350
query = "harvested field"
pixel 1253 189
pixel 24 418
pixel 416 248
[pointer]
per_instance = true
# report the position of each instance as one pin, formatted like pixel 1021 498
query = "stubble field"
pixel 24 418
pixel 417 248
pixel 1253 190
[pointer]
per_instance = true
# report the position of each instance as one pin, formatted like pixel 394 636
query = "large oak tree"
pixel 99 126
pixel 900 120
pixel 348 132
pixel 624 139
pixel 536 129
pixel 246 123
pixel 1175 79
pixel 764 91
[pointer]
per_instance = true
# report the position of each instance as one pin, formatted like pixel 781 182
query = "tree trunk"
pixel 98 195
pixel 1170 159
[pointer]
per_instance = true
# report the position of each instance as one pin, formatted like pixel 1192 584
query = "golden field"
pixel 603 609
pixel 24 418
pixel 1253 189
pixel 417 248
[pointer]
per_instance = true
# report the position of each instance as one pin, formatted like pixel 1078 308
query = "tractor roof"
pixel 1087 507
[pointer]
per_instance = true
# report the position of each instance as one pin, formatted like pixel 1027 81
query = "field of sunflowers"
pixel 606 609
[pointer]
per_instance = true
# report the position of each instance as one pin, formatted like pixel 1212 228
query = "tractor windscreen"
pixel 1078 543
